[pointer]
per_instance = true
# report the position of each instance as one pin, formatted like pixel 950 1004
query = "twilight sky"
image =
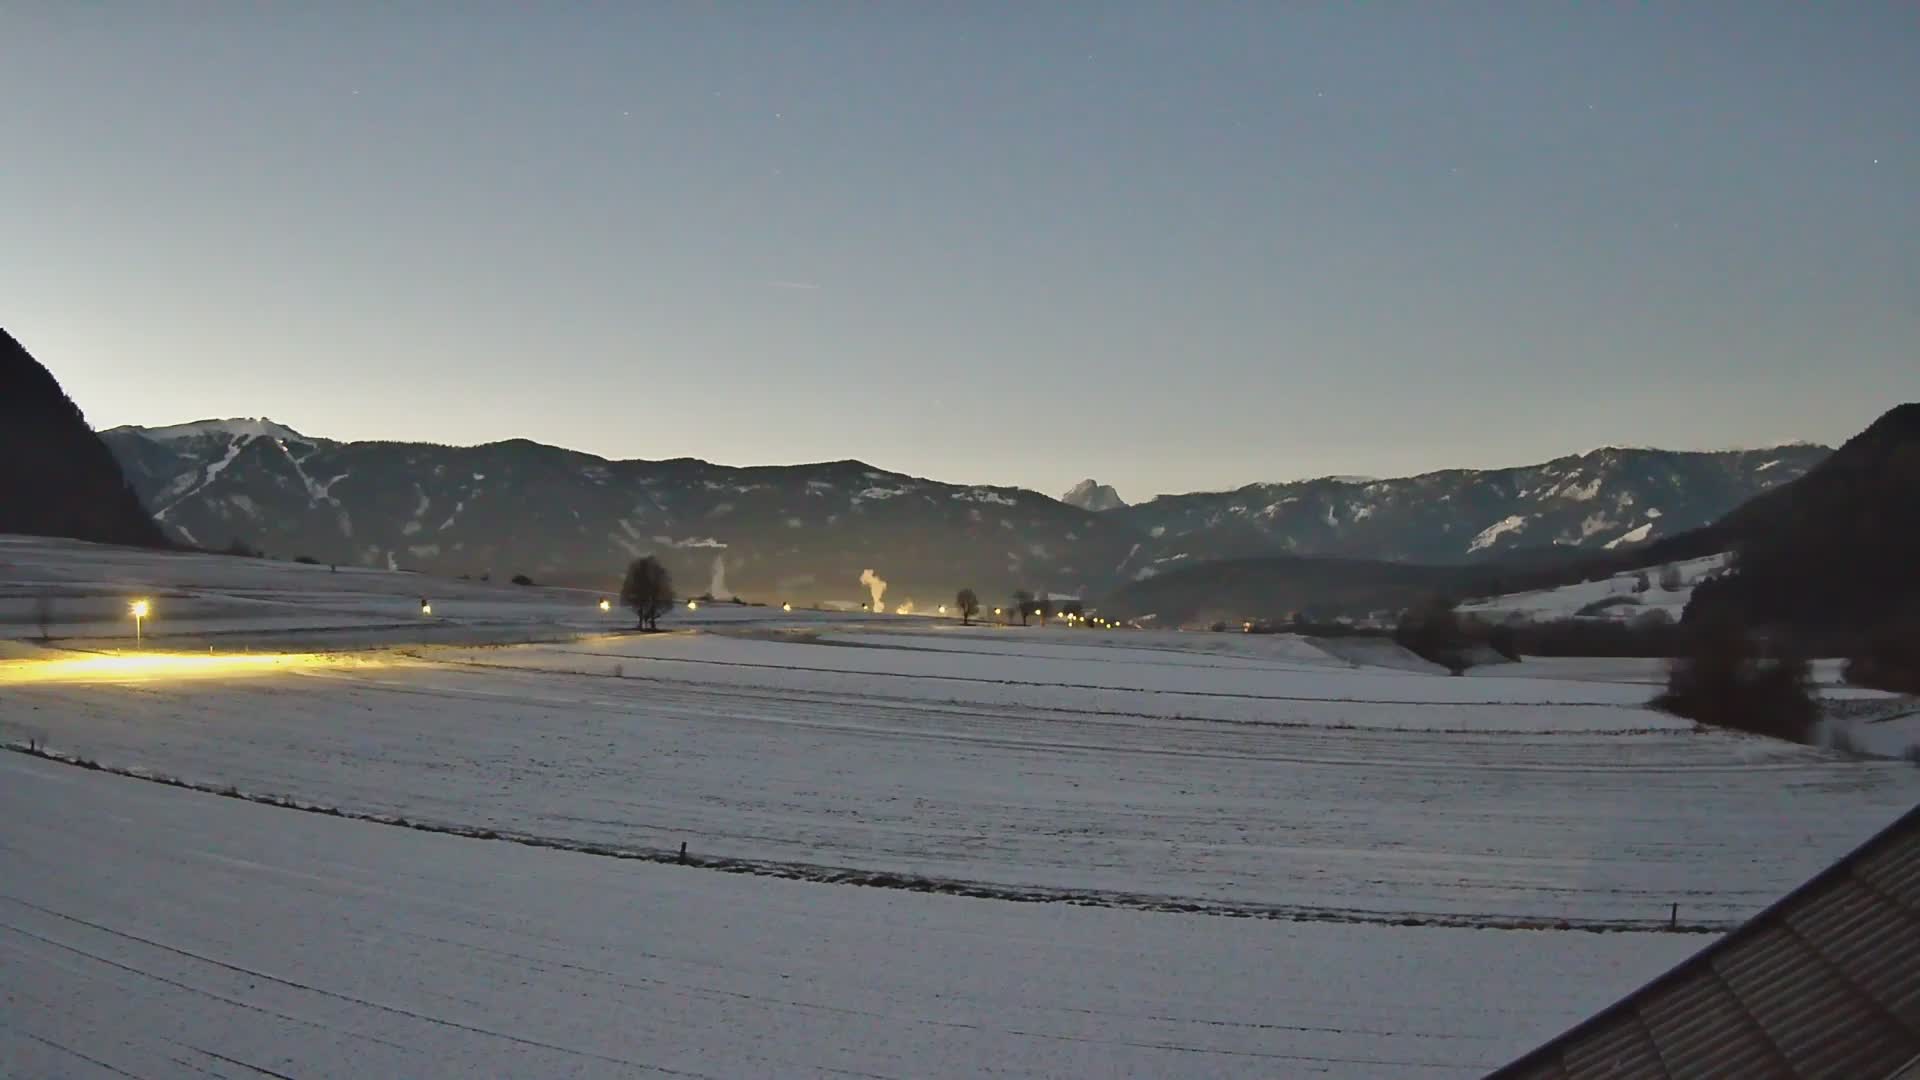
pixel 1170 246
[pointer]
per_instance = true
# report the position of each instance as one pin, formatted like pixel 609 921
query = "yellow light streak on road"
pixel 123 667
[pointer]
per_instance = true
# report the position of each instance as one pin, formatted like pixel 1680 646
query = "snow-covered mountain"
pixel 1088 495
pixel 802 533
pixel 806 532
pixel 1602 500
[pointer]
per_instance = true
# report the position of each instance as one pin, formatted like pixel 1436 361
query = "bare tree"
pixel 969 606
pixel 1023 603
pixel 648 590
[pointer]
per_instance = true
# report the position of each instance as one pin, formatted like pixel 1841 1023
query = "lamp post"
pixel 138 609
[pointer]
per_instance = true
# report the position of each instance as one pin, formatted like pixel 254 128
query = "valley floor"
pixel 1404 841
pixel 149 931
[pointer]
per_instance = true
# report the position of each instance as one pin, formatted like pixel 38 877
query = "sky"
pixel 1173 247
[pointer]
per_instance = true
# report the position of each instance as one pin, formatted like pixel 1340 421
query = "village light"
pixel 138 609
pixel 943 609
pixel 606 605
pixel 425 608
pixel 786 607
pixel 693 605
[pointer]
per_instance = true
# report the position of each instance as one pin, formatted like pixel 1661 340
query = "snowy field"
pixel 1567 601
pixel 222 938
pixel 1394 829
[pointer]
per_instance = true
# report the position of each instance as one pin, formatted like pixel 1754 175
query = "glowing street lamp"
pixel 693 605
pixel 943 609
pixel 139 610
pixel 786 607
pixel 606 605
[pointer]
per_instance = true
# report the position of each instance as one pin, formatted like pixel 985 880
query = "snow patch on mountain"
pixel 1581 493
pixel 1631 536
pixel 213 471
pixel 690 542
pixel 1492 533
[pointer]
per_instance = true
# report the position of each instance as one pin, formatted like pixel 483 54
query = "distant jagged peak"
pixel 235 427
pixel 1090 495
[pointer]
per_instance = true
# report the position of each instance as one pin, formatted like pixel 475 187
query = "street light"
pixel 138 609
pixel 786 607
pixel 606 605
pixel 693 605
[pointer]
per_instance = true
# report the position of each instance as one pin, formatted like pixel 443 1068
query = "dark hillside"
pixel 56 477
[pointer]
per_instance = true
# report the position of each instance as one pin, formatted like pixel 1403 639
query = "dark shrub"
pixel 1889 659
pixel 1504 639
pixel 1726 681
pixel 522 579
pixel 1433 632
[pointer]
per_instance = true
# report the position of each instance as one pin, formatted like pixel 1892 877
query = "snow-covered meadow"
pixel 1393 828
pixel 1618 597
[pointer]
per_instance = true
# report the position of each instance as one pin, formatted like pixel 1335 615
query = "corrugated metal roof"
pixel 1824 983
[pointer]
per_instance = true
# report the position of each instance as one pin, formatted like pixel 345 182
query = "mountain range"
pixel 806 532
pixel 1827 555
pixel 803 533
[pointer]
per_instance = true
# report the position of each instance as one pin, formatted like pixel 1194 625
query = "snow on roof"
pixel 1819 984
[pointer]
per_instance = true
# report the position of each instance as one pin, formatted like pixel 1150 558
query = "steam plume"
pixel 876 585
